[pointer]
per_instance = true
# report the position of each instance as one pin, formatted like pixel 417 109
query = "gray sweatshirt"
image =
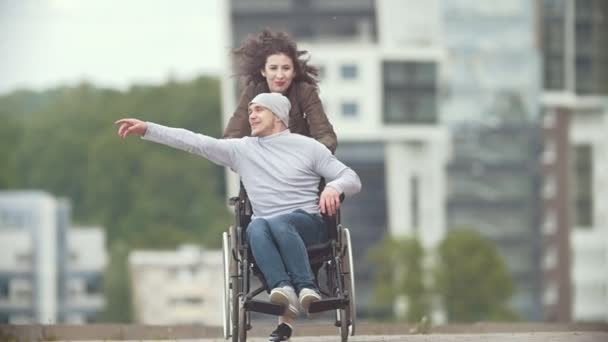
pixel 281 172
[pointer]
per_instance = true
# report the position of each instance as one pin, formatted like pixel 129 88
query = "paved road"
pixel 501 337
pixel 367 332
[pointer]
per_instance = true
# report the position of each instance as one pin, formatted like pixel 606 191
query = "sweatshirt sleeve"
pixel 336 174
pixel 219 151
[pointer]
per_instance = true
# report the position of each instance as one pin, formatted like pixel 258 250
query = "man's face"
pixel 262 121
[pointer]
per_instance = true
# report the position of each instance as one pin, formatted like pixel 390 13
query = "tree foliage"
pixel 64 141
pixel 468 277
pixel 399 272
pixel 472 279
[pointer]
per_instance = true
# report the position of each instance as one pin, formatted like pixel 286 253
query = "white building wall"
pixel 29 239
pixel 410 23
pixel 590 275
pixel 590 244
pixel 86 256
pixel 16 259
pixel 15 251
pixel 35 214
pixel 45 253
pixel 177 287
pixel 87 249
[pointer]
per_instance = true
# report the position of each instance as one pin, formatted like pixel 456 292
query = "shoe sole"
pixel 281 299
pixel 306 300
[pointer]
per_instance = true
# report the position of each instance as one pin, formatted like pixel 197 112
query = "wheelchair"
pixel 334 257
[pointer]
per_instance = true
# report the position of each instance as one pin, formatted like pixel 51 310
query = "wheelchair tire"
pixel 348 271
pixel 343 318
pixel 231 288
pixel 243 325
pixel 226 307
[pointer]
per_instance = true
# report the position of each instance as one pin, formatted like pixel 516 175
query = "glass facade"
pixel 304 19
pixel 585 21
pixel 582 185
pixel 490 102
pixel 410 92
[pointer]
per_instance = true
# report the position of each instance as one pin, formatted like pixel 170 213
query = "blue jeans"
pixel 279 245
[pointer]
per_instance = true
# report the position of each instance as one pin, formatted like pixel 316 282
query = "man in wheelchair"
pixel 281 172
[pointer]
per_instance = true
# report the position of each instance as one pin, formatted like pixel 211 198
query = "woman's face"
pixel 279 72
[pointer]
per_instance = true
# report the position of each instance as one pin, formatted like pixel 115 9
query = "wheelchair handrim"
pixel 351 271
pixel 226 294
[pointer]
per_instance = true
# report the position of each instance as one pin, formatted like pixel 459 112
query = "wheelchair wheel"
pixel 348 272
pixel 243 324
pixel 226 295
pixel 231 288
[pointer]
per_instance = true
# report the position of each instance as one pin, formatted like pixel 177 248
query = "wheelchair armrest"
pixel 232 200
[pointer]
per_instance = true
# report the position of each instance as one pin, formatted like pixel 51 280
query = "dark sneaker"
pixel 281 333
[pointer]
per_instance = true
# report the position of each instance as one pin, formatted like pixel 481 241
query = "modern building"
pixel 177 287
pixel 575 56
pixel 575 220
pixel 49 271
pixel 380 63
pixel 81 276
pixel 490 90
pixel 575 164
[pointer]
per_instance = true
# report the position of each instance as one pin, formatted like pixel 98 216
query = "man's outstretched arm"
pixel 219 151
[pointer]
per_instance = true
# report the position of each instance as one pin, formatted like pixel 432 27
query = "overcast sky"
pixel 112 43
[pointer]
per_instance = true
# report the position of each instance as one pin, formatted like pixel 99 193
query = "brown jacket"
pixel 306 116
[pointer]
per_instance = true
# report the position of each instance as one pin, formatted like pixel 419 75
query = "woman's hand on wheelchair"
pixel 329 201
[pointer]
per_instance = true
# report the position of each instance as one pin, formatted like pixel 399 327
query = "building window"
pixel 349 71
pixel 410 92
pixel 584 75
pixel 554 28
pixel 24 259
pixel 549 222
pixel 94 284
pixel 554 73
pixel 582 185
pixel 4 288
pixel 350 109
pixel 415 202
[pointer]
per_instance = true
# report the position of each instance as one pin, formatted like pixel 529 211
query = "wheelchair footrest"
pixel 327 304
pixel 264 307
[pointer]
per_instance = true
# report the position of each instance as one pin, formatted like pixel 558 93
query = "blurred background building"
pixel 574 159
pixel 456 114
pixel 50 272
pixel 184 286
pixel 490 103
pixel 438 106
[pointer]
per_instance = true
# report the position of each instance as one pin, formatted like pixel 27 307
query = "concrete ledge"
pixel 118 332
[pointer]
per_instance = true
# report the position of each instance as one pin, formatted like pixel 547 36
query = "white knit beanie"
pixel 278 104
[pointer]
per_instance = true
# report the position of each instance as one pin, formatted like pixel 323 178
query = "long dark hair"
pixel 252 54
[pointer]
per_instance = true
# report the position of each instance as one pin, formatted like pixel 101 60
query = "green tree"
pixel 399 272
pixel 472 279
pixel 117 286
pixel 10 132
pixel 146 196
